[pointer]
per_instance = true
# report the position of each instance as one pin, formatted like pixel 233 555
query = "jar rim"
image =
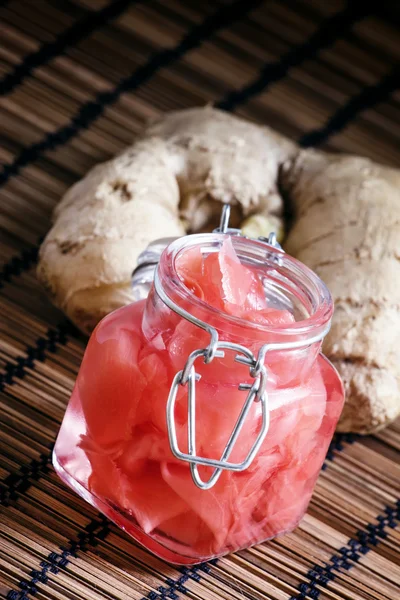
pixel 319 294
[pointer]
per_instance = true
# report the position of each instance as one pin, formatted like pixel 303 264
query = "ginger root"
pixel 101 226
pixel 175 178
pixel 172 179
pixel 258 225
pixel 347 230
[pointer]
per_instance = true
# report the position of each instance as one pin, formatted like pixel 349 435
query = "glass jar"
pixel 152 439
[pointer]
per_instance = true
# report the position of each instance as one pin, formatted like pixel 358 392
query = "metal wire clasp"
pixel 187 377
pixel 256 392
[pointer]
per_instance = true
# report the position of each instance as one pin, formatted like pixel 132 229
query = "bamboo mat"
pixel 78 79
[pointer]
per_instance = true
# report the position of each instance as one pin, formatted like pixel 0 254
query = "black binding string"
pixel 337 445
pixel 17 368
pixel 331 30
pixel 18 264
pixel 18 482
pixel 97 529
pixel 72 36
pixel 367 98
pixel 347 556
pixel 92 110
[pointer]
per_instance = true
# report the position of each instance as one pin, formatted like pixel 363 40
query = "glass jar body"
pixel 113 445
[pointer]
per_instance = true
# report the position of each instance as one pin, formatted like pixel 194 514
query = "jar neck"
pixel 289 285
pixel 292 350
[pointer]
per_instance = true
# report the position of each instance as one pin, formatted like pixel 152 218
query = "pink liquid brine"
pixel 113 446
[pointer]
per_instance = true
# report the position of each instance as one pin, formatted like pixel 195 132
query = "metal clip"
pixel 224 222
pixel 256 392
pixel 271 240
